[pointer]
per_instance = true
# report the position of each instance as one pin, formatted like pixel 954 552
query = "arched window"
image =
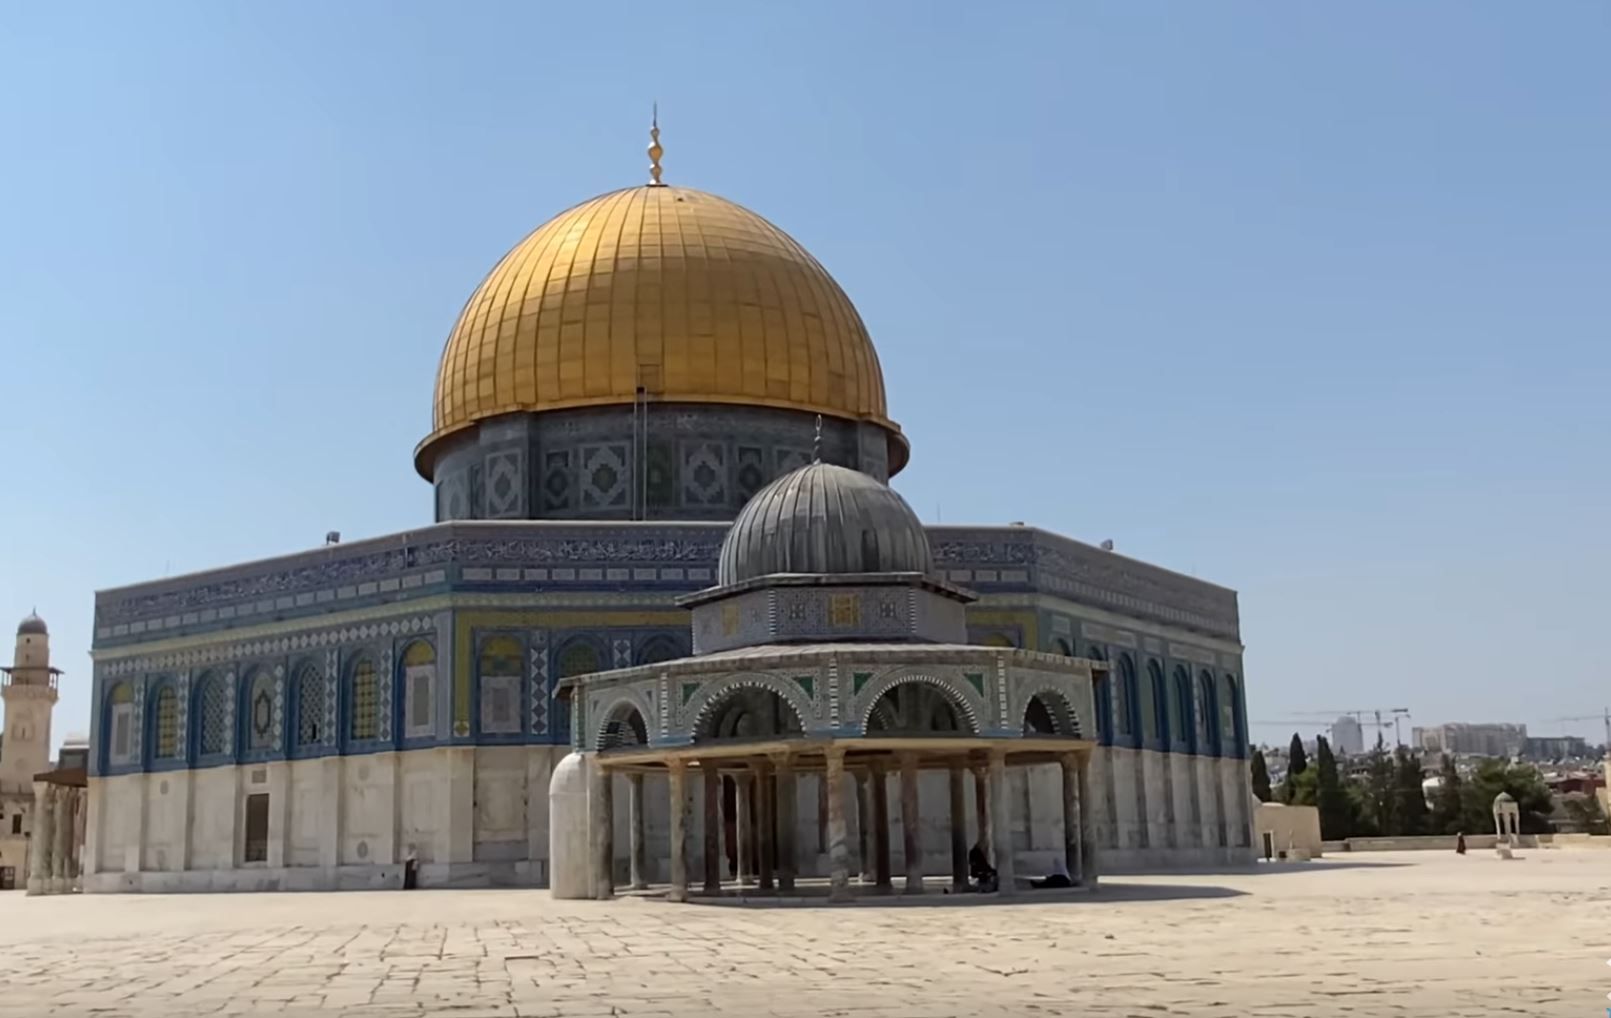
pixel 1230 709
pixel 1208 713
pixel 309 706
pixel 364 718
pixel 999 640
pixel 1158 723
pixel 498 671
pixel 1102 693
pixel 120 723
pixel 165 713
pixel 1183 721
pixel 260 710
pixel 1060 646
pixel 419 684
pixel 578 658
pixel 1126 695
pixel 212 716
pixel 659 648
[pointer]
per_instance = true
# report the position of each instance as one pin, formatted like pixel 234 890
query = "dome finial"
pixel 655 151
pixel 816 442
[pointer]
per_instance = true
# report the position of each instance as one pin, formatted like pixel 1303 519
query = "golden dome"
pixel 694 298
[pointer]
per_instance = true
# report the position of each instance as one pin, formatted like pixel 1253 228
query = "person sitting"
pixel 979 868
pixel 1058 877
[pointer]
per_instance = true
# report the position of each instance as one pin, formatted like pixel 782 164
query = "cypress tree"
pixel 1297 763
pixel 1261 776
pixel 1336 816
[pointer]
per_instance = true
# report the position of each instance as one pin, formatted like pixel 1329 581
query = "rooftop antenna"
pixel 655 151
pixel 816 442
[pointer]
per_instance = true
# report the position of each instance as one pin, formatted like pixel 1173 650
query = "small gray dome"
pixel 824 518
pixel 33 625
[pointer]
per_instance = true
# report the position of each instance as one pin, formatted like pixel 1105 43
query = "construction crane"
pixel 1397 714
pixel 1604 716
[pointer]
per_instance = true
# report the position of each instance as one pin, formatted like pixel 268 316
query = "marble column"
pixel 765 808
pixel 864 829
pixel 911 825
pixel 676 779
pixel 601 834
pixel 713 826
pixel 880 790
pixel 959 830
pixel 838 849
pixel 982 813
pixel 75 821
pixel 1069 763
pixel 787 821
pixel 1001 822
pixel 744 785
pixel 42 841
pixel 1089 870
pixel 64 840
pixel 638 856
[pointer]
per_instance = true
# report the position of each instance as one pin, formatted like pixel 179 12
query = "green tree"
pixel 1336 813
pixel 1446 811
pixel 1297 763
pixel 1261 776
pixel 1409 801
pixel 1524 784
pixel 1378 797
pixel 1587 813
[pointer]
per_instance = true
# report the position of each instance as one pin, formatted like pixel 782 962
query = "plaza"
pixel 1404 934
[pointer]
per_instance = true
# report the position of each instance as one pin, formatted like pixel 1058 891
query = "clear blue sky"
pixel 1310 301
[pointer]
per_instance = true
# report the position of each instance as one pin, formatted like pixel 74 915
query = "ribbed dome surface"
pixel 824 518
pixel 691 296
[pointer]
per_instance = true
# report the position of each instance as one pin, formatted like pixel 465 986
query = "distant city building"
pixel 1555 747
pixel 1347 737
pixel 1478 739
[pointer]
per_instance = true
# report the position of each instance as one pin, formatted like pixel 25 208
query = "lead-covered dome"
pixel 824 518
pixel 690 296
pixel 33 625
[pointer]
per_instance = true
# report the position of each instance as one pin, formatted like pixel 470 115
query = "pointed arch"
pixel 1208 713
pixel 1159 723
pixel 965 712
pixel 1233 736
pixel 624 727
pixel 166 738
pixel 658 648
pixel 1048 712
pixel 120 725
pixel 1184 726
pixel 211 713
pixel 308 693
pixel 363 700
pixel 258 711
pixel 747 708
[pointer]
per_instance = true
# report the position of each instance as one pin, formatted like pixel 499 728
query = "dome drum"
pixel 698 462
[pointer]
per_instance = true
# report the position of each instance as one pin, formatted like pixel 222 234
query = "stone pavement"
pixel 1400 934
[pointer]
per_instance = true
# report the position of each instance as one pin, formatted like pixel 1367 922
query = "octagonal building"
pixel 618 389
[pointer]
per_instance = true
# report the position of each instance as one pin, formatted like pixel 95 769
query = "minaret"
pixel 29 694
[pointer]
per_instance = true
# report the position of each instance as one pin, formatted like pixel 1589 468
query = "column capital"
pixel 677 765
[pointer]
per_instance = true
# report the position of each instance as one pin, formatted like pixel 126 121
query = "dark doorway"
pixel 8 878
pixel 257 827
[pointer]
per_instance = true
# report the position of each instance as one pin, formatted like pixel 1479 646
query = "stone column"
pixel 639 859
pixel 1070 766
pixel 744 785
pixel 63 830
pixel 881 867
pixel 864 829
pixel 42 841
pixel 80 830
pixel 713 826
pixel 959 831
pixel 787 821
pixel 1089 870
pixel 1001 821
pixel 838 849
pixel 765 808
pixel 911 825
pixel 982 812
pixel 74 805
pixel 676 779
pixel 601 834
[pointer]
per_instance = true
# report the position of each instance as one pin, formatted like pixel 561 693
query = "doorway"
pixel 257 825
pixel 1269 844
